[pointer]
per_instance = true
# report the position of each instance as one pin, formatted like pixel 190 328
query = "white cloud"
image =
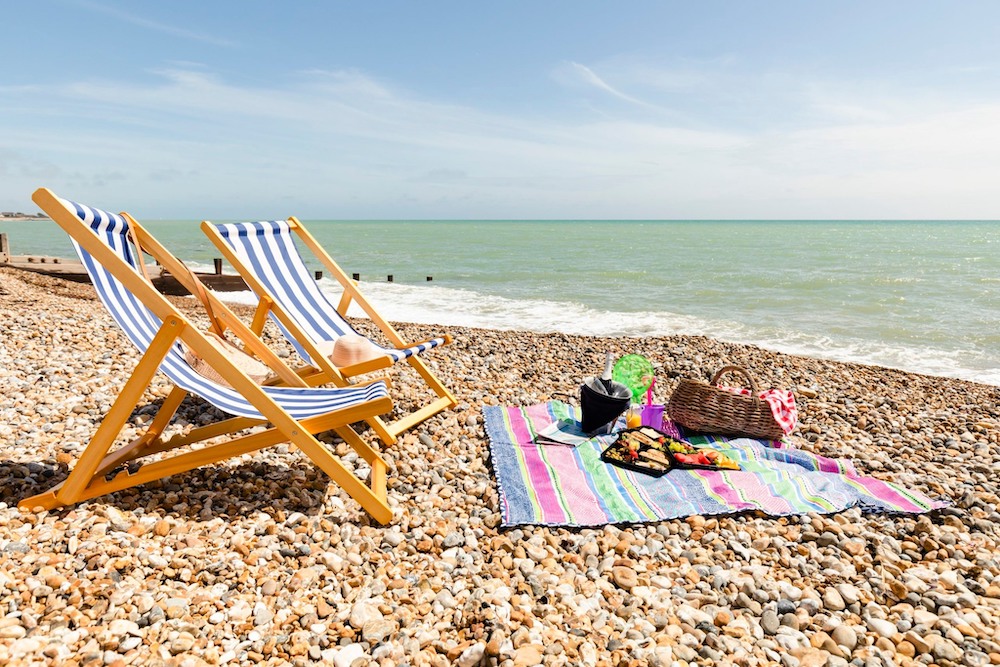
pixel 573 72
pixel 343 143
pixel 156 26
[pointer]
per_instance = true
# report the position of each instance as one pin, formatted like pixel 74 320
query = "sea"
pixel 920 296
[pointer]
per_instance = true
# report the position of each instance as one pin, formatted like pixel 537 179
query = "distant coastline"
pixel 21 217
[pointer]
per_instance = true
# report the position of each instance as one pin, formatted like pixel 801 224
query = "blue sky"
pixel 564 109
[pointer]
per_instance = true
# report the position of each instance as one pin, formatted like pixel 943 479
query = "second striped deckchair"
pixel 267 257
pixel 111 248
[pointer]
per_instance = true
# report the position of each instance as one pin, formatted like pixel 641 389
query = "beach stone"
pixel 262 615
pixel 176 608
pixel 790 621
pixel 457 539
pixel 120 627
pixel 813 657
pixel 183 643
pixel 528 655
pixel 844 635
pixel 769 621
pixel 393 538
pixel 904 647
pixel 924 618
pixel 346 655
pixel 377 630
pixel 921 644
pixel 945 649
pixel 625 577
pixel 832 600
pixel 849 593
pixel 362 613
pixel 743 601
pixel 881 627
pixel 471 656
pixel 25 646
pixel 239 611
pixel 785 606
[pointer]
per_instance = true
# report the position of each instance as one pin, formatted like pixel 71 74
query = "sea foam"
pixel 447 306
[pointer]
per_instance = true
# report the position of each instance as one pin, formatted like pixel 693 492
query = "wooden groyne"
pixel 68 269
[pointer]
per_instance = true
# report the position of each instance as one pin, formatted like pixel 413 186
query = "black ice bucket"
pixel 601 404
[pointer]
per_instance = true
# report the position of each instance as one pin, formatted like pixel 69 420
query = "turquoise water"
pixel 921 296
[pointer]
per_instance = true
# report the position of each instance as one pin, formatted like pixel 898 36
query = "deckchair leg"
pixel 374 502
pixel 173 465
pixel 382 430
pixel 146 443
pixel 378 481
pixel 417 416
pixel 430 379
pixel 389 431
pixel 111 426
pixel 351 437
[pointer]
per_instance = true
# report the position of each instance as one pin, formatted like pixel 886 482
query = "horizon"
pixel 22 216
pixel 564 111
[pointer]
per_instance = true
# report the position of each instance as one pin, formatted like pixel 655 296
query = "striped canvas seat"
pixel 140 325
pixel 266 254
pixel 268 250
pixel 286 410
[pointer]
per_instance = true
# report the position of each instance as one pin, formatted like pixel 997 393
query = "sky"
pixel 565 109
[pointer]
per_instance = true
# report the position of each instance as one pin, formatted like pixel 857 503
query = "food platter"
pixel 642 449
pixel 652 452
pixel 686 455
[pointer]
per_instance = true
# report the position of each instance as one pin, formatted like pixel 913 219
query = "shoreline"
pixel 256 560
pixel 230 288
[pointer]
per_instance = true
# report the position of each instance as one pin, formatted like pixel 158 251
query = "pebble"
pixel 882 627
pixel 625 577
pixel 832 600
pixel 845 636
pixel 363 613
pixel 472 656
pixel 261 561
pixel 377 630
pixel 769 621
pixel 346 655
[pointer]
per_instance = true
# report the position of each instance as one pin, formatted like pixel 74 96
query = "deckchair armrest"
pixel 378 363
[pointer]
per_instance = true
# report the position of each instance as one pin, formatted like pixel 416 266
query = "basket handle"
pixel 739 369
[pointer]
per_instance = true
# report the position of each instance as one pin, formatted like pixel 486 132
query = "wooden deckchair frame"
pixel 99 469
pixel 325 371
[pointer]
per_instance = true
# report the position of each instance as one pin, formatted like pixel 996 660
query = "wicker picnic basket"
pixel 705 408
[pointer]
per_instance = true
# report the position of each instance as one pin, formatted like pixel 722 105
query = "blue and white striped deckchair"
pixel 111 248
pixel 267 257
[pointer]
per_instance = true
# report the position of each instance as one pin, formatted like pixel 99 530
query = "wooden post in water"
pixel 4 249
pixel 319 275
pixel 218 266
pixel 390 278
pixel 430 278
pixel 356 277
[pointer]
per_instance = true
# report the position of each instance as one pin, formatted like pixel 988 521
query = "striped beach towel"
pixel 572 486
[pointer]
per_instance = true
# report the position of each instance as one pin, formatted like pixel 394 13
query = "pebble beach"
pixel 260 561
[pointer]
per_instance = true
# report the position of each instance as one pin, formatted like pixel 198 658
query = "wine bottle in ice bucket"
pixel 602 400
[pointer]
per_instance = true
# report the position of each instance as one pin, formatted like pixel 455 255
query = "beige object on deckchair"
pixel 267 257
pixel 111 248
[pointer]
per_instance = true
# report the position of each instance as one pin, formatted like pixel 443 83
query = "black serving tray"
pixel 617 449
